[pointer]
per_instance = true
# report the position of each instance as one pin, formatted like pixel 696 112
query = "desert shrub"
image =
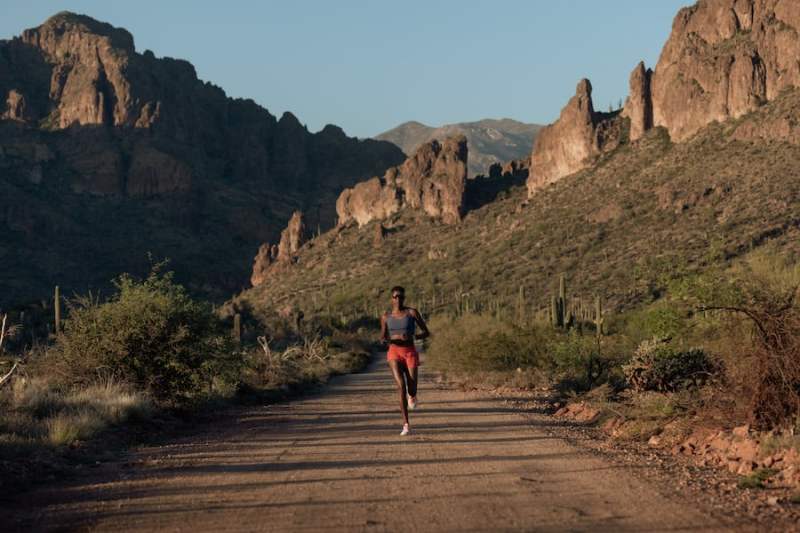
pixel 762 290
pixel 658 366
pixel 577 363
pixel 149 333
pixel 473 342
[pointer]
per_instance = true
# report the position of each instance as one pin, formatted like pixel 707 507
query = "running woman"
pixel 398 329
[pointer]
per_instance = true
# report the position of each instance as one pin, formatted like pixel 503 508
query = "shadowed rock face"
pixel 142 156
pixel 431 180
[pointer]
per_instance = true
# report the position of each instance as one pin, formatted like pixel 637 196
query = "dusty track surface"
pixel 335 461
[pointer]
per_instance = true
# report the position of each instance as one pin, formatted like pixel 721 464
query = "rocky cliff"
pixel 490 141
pixel 105 149
pixel 723 59
pixel 433 180
pixel 573 142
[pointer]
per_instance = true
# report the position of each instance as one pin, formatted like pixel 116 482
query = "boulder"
pixel 431 180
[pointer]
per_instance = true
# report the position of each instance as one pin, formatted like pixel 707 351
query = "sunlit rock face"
pixel 433 180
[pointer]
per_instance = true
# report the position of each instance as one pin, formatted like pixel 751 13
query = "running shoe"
pixel 412 402
pixel 406 430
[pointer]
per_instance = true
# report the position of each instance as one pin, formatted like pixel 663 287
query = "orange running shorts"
pixel 406 354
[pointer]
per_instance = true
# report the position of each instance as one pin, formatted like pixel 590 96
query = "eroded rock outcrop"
pixel 431 180
pixel 293 237
pixel 267 254
pixel 639 106
pixel 725 58
pixel 284 253
pixel 572 142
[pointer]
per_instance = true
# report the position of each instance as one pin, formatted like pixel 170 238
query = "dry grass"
pixel 35 413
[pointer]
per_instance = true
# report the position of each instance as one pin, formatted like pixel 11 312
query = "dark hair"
pixel 398 288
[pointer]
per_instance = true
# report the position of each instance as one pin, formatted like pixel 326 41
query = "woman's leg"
pixel 412 381
pixel 398 370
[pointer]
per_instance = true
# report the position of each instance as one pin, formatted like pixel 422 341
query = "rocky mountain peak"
pixel 173 151
pixel 67 29
pixel 723 59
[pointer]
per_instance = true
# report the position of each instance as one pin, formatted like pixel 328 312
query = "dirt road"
pixel 335 461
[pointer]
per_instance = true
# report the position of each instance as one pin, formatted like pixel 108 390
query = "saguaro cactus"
pixel 57 307
pixel 237 328
pixel 598 316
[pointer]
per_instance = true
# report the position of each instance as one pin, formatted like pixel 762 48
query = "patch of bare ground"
pixel 335 460
pixel 709 487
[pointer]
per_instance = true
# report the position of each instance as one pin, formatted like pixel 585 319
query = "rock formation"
pixel 432 180
pixel 292 238
pixel 143 152
pixel 573 141
pixel 489 140
pixel 639 106
pixel 723 59
pixel 267 254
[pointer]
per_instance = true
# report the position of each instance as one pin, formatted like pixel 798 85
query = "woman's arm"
pixel 384 330
pixel 424 334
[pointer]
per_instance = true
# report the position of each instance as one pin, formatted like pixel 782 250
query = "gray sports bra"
pixel 398 325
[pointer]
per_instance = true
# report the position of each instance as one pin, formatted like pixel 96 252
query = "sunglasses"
pixel 398 296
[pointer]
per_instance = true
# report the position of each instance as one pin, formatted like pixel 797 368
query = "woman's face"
pixel 398 297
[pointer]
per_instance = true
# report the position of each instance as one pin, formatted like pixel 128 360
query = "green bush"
pixel 658 366
pixel 475 342
pixel 151 334
pixel 575 362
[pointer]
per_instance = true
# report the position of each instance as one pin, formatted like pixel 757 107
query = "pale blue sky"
pixel 370 65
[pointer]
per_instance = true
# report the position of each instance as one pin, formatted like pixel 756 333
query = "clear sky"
pixel 367 65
